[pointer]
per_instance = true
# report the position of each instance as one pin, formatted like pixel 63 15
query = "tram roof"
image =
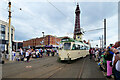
pixel 68 40
pixel 86 44
pixel 72 40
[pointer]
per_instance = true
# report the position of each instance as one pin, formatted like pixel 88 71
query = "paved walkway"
pixel 91 70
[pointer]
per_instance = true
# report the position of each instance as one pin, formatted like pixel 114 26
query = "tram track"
pixel 67 65
pixel 82 68
pixel 56 70
pixel 51 73
pixel 49 70
pixel 24 70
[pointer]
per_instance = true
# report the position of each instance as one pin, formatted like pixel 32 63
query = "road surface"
pixel 49 67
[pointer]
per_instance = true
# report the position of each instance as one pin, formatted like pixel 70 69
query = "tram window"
pixel 73 47
pixel 81 47
pixel 85 47
pixel 67 46
pixel 77 47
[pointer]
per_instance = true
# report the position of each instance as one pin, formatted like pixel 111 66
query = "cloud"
pixel 112 32
pixel 36 17
pixel 94 12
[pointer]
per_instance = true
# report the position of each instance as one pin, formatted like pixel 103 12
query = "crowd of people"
pixel 26 54
pixel 108 60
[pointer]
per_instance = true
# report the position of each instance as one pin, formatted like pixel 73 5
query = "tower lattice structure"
pixel 77 29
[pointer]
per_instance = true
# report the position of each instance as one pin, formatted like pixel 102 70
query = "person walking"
pixel 21 51
pixel 7 54
pixel 57 52
pixel 48 52
pixel 13 55
pixel 45 51
pixel 51 52
pixel 96 54
pixel 99 56
pixel 21 55
pixel 40 51
pixel 37 53
pixel 27 55
pixel 93 53
pixel 24 53
pixel 90 51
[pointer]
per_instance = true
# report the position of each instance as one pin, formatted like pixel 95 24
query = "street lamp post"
pixel 43 38
pixel 10 42
pixel 55 41
pixel 104 33
pixel 100 41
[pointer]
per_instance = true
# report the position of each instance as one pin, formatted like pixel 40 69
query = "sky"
pixel 58 19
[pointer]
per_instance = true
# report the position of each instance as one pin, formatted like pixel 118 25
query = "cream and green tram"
pixel 72 49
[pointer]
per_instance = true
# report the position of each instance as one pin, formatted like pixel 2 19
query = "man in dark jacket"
pixel 90 51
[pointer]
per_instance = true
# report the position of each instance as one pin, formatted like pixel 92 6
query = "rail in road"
pixel 55 71
pixel 49 67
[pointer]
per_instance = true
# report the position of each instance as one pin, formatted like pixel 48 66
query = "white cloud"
pixel 34 18
pixel 112 33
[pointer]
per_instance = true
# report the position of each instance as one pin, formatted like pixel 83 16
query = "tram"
pixel 72 49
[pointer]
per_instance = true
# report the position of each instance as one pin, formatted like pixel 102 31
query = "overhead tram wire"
pixel 52 5
pixel 33 15
pixel 58 10
pixel 88 31
pixel 94 29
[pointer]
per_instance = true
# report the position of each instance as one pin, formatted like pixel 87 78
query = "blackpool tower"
pixel 77 30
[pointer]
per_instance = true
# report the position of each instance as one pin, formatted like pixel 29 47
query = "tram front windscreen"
pixel 67 46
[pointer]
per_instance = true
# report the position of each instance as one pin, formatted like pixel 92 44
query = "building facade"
pixel 46 41
pixel 4 35
pixel 17 45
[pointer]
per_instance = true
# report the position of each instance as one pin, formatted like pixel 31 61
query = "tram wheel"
pixel 59 60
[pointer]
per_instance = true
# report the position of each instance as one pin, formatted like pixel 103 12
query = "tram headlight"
pixel 59 54
pixel 68 54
